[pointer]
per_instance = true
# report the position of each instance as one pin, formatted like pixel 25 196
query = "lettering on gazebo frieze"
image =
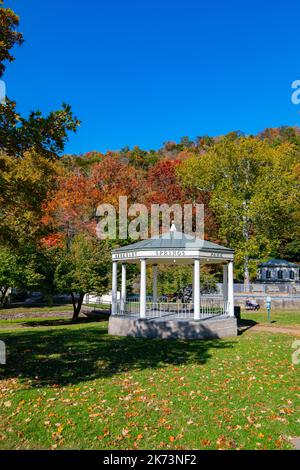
pixel 126 255
pixel 170 253
pixel 216 255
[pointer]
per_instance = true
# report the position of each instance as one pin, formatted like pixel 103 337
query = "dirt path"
pixel 59 316
pixel 24 314
pixel 288 330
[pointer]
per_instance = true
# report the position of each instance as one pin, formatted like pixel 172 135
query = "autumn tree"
pixel 29 147
pixel 114 178
pixel 163 185
pixel 70 209
pixel 24 185
pixel 278 135
pixel 83 261
pixel 138 158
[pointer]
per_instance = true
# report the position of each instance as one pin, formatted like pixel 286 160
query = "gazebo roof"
pixel 174 240
pixel 174 243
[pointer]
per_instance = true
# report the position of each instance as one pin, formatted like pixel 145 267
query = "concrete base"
pixel 175 329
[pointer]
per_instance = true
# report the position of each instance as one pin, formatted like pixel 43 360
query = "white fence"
pixel 209 308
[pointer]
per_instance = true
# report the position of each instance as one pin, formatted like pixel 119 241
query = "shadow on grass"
pixel 245 325
pixel 31 305
pixel 71 355
pixel 64 321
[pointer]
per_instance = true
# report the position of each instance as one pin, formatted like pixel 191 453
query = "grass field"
pixel 278 317
pixel 73 386
pixel 41 321
pixel 27 309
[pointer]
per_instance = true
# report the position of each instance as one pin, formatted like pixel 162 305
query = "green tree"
pixel 9 271
pixel 173 279
pixel 254 195
pixel 28 268
pixel 83 268
pixel 47 135
pixel 37 269
pixel 24 185
pixel 9 21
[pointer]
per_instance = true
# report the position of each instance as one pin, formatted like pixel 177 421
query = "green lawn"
pixel 278 317
pixel 74 386
pixel 42 309
pixel 49 321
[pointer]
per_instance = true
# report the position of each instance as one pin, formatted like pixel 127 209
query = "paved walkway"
pixel 295 442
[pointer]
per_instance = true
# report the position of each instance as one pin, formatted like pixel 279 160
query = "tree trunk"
pixel 246 273
pixel 77 308
pixel 3 292
pixel 246 238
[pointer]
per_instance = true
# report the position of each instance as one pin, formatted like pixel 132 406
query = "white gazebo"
pixel 149 316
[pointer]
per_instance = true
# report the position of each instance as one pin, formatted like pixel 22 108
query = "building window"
pixel 292 275
pixel 280 274
pixel 268 274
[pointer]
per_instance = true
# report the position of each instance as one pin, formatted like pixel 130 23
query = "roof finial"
pixel 173 227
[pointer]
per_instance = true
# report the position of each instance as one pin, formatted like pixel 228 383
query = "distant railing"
pixel 97 301
pixel 209 308
pixel 274 288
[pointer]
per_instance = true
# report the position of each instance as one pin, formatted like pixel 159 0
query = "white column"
pixel 123 288
pixel 225 283
pixel 154 283
pixel 196 289
pixel 230 290
pixel 193 287
pixel 114 288
pixel 143 289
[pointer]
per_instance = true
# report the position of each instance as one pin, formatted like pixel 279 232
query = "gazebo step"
pixel 176 329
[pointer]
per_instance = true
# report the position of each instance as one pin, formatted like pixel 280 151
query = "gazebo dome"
pixel 173 244
pixel 278 270
pixel 278 263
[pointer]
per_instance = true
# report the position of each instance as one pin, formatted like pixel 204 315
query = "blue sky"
pixel 147 71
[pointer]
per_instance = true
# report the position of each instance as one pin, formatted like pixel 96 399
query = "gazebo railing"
pixel 209 308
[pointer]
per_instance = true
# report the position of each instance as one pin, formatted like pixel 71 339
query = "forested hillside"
pixel 249 186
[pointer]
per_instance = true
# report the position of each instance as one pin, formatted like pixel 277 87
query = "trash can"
pixel 237 312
